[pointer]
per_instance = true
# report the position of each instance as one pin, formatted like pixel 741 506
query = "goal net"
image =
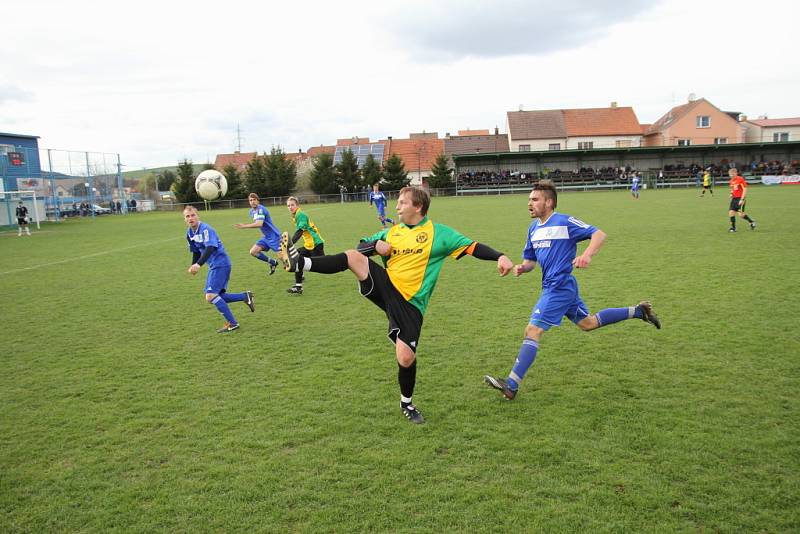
pixel 9 200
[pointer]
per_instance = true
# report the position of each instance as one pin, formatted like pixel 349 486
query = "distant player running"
pixel 413 252
pixel 271 239
pixel 205 246
pixel 379 199
pixel 635 186
pixel 707 185
pixel 313 244
pixel 552 243
pixel 738 187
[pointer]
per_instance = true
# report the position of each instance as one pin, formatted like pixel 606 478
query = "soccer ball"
pixel 211 185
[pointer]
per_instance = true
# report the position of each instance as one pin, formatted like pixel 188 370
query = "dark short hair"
pixel 419 197
pixel 549 189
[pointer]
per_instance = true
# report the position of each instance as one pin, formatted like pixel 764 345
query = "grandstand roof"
pixel 4 134
pixel 766 123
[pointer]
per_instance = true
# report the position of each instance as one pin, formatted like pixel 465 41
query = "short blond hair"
pixel 293 199
pixel 189 208
pixel 253 195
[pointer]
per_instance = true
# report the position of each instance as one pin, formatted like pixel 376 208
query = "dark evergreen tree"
pixel 235 182
pixel 395 176
pixel 348 173
pixel 184 185
pixel 441 174
pixel 165 180
pixel 323 176
pixel 371 172
pixel 256 176
pixel 281 173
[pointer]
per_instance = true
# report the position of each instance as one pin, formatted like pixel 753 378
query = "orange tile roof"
pixel 601 121
pixel 237 159
pixel 545 124
pixel 317 150
pixel 417 154
pixel 473 132
pixel 766 123
pixel 353 141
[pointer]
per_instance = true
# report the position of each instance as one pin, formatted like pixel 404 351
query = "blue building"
pixel 19 162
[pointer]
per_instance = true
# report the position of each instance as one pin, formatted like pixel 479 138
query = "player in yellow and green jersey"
pixel 413 252
pixel 313 244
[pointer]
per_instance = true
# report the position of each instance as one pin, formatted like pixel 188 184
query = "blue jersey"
pixel 205 236
pixel 553 245
pixel 379 199
pixel 635 184
pixel 268 228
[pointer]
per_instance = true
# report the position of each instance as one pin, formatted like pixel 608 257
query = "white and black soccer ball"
pixel 211 185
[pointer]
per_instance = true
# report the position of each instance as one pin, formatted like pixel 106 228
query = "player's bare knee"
pixel 533 332
pixel 255 251
pixel 210 297
pixel 589 323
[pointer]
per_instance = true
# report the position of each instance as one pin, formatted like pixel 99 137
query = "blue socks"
pixel 263 257
pixel 233 297
pixel 223 308
pixel 525 358
pixel 615 315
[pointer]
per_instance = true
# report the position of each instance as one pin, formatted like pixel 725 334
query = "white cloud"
pixel 157 82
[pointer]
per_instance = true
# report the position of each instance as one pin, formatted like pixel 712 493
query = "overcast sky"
pixel 160 81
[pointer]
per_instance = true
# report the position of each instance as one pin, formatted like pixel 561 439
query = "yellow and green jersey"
pixel 311 237
pixel 417 256
pixel 706 180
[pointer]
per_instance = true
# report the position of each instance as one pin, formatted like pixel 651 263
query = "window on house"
pixel 684 142
pixel 780 136
pixel 720 140
pixel 623 143
pixel 703 121
pixel 555 146
pixel 524 148
pixel 585 145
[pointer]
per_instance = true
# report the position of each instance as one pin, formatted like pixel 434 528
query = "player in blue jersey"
pixel 552 243
pixel 379 199
pixel 635 186
pixel 271 238
pixel 206 247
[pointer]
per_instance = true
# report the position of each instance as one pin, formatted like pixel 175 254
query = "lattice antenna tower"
pixel 239 138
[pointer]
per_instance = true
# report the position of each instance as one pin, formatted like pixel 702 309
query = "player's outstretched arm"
pixel 485 252
pixel 525 267
pixel 256 224
pixel 597 240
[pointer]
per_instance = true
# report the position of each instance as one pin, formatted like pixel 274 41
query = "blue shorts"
pixel 272 244
pixel 217 279
pixel 553 304
pixel 381 212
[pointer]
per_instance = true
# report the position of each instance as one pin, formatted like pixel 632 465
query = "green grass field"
pixel 124 411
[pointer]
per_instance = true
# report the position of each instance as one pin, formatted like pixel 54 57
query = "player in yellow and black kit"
pixel 313 244
pixel 413 252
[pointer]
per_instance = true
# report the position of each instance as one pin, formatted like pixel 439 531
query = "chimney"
pixel 613 104
pixel 742 117
pixel 447 135
pixel 692 97
pixel 496 130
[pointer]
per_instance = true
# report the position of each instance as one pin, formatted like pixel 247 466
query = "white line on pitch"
pixel 87 256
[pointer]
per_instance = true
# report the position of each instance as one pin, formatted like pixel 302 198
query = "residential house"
pixel 764 130
pixel 697 122
pixel 573 129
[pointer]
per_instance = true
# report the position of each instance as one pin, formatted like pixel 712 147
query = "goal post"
pixel 8 214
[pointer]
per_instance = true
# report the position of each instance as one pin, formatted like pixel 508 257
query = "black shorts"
pixel 706 187
pixel 737 204
pixel 319 250
pixel 405 320
pixel 22 221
